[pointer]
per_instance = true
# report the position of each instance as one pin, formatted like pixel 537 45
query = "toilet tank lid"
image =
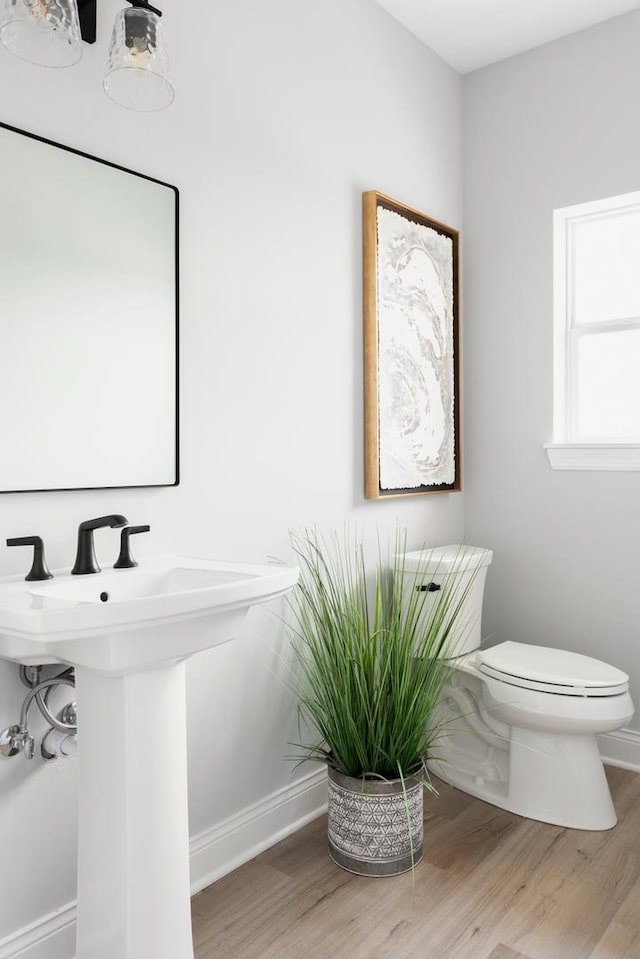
pixel 554 666
pixel 446 559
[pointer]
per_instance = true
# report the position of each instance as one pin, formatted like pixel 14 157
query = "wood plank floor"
pixel 491 886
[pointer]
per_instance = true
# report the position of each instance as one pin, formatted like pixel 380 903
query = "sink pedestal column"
pixel 133 835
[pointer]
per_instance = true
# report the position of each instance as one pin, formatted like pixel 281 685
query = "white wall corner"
pixel 213 854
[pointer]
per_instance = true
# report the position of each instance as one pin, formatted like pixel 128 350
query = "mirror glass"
pixel 88 321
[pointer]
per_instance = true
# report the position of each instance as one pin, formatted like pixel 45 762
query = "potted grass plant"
pixel 369 669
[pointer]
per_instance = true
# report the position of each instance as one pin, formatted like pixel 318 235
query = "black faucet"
pixel 86 561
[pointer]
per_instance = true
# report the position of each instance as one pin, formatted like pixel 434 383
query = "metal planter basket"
pixel 375 826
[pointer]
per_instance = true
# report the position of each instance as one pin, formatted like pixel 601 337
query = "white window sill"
pixel 593 456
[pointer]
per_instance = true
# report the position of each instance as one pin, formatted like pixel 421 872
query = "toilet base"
pixel 553 776
pixel 554 779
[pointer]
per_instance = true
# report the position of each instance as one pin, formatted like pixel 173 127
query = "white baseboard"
pixel 50 937
pixel 213 854
pixel 220 850
pixel 621 748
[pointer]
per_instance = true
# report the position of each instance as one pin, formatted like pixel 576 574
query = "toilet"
pixel 519 723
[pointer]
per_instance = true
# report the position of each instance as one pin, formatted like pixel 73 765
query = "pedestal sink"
pixel 128 633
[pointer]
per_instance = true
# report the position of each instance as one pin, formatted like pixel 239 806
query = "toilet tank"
pixel 463 570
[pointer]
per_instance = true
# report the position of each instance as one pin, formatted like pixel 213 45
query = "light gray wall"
pixel 284 113
pixel 552 127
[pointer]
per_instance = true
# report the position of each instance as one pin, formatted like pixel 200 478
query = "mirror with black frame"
pixel 88 321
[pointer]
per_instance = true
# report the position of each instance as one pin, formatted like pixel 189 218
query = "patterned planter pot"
pixel 375 826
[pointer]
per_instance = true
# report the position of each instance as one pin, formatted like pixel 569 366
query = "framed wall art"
pixel 411 354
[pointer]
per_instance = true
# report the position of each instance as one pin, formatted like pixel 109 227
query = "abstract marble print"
pixel 415 303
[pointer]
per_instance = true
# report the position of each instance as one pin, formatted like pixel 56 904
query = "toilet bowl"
pixel 518 723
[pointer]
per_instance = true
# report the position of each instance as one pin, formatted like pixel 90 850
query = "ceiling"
pixel 469 34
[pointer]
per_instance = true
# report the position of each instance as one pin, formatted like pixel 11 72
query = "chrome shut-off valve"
pixel 14 740
pixel 17 739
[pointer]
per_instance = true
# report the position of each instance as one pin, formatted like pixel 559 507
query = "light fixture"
pixel 137 74
pixel 50 33
pixel 45 32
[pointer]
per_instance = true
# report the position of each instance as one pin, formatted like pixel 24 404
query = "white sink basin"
pixel 122 620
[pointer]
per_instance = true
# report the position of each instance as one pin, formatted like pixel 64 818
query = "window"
pixel 597 335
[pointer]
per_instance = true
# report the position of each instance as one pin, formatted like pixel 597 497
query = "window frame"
pixel 566 452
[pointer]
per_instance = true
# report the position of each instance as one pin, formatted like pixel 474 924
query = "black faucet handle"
pixel 125 560
pixel 39 569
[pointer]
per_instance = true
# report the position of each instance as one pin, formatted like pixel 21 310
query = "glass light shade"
pixel 137 74
pixel 45 32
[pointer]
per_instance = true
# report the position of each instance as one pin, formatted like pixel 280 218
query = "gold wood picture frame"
pixel 411 351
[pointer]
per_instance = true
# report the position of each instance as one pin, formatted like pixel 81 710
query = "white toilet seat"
pixel 555 671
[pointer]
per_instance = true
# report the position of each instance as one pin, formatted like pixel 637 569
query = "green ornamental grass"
pixel 369 663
